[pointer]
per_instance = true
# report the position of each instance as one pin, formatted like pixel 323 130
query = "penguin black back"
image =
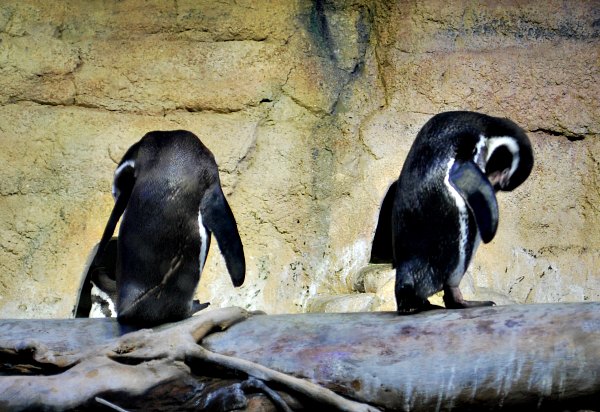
pixel 168 191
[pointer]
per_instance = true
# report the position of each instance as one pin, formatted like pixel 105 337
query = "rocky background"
pixel 310 108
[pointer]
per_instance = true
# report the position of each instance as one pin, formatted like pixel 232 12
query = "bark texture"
pixel 544 357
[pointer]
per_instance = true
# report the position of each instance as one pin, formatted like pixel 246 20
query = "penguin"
pixel 444 204
pixel 169 199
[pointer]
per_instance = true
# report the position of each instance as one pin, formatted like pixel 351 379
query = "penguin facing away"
pixel 444 203
pixel 168 192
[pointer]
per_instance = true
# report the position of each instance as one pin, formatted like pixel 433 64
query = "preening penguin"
pixel 168 192
pixel 444 203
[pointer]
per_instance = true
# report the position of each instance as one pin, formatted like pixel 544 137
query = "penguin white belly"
pixel 102 304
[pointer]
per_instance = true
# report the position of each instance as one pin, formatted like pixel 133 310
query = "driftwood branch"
pixel 545 357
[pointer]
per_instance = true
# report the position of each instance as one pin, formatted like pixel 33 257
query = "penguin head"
pixel 498 146
pixel 508 155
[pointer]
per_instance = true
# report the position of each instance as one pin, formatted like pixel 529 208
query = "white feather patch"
pixel 125 164
pixel 96 310
pixel 480 156
pixel 203 241
pixel 463 221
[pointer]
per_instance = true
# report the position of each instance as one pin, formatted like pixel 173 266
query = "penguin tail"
pixel 218 218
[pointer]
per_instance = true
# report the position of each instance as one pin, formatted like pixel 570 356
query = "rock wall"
pixel 310 108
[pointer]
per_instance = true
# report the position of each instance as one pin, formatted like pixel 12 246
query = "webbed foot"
pixel 407 302
pixel 453 299
pixel 407 310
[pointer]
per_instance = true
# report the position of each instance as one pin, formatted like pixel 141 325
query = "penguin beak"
pixel 500 179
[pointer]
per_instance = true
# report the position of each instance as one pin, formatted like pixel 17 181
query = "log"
pixel 543 356
pixel 523 355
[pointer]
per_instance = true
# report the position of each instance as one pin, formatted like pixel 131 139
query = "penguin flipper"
pixel 382 250
pixel 84 298
pixel 124 181
pixel 479 194
pixel 218 218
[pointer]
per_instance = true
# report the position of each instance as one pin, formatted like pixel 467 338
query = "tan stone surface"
pixel 354 302
pixel 310 109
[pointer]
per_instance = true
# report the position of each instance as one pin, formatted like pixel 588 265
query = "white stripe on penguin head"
pixel 480 153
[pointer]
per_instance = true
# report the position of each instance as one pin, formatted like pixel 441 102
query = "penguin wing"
pixel 124 182
pixel 382 250
pixel 478 193
pixel 104 275
pixel 218 218
pixel 84 297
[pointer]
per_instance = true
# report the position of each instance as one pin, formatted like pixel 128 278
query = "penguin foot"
pixel 407 310
pixel 469 304
pixel 407 304
pixel 453 299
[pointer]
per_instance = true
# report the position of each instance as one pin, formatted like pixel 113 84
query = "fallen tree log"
pixel 544 357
